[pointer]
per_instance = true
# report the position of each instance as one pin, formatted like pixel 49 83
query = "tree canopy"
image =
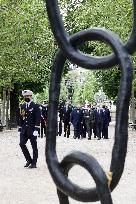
pixel 115 15
pixel 27 43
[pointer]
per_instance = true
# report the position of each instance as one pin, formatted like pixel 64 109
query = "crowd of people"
pixel 33 120
pixel 87 120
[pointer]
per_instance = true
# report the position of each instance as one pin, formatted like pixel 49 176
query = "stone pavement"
pixel 35 186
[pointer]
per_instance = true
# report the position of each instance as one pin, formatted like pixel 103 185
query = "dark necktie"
pixel 27 106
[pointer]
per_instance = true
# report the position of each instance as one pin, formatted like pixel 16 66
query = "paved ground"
pixel 24 186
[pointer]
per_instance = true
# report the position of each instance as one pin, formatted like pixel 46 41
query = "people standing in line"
pixel 66 119
pixel 44 114
pixel 29 126
pixel 106 121
pixel 99 118
pixel 89 119
pixel 76 120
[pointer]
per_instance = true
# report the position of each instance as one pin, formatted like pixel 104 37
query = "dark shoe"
pixel 74 137
pixel 89 138
pixel 67 136
pixel 98 138
pixel 64 135
pixel 94 136
pixel 28 163
pixel 32 166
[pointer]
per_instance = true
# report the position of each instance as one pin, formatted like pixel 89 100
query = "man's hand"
pixel 19 131
pixel 35 133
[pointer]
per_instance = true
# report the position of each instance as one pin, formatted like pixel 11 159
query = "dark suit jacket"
pixel 99 116
pixel 107 117
pixel 44 113
pixel 66 114
pixel 29 118
pixel 76 117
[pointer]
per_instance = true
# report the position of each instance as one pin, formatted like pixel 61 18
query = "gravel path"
pixel 35 186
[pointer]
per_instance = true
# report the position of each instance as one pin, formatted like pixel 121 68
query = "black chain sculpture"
pixel 68 50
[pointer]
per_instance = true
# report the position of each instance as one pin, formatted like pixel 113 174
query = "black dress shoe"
pixel 89 138
pixel 28 163
pixel 32 166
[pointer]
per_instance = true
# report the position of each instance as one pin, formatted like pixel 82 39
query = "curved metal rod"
pixel 96 171
pixel 121 131
pixel 70 51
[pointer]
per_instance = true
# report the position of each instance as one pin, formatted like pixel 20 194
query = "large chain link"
pixel 68 50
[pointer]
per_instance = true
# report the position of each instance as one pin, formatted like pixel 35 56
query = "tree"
pixel 82 82
pixel 27 47
pixel 114 15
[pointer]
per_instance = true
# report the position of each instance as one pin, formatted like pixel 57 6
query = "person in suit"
pixel 99 118
pixel 89 120
pixel 106 121
pixel 66 119
pixel 44 114
pixel 29 126
pixel 60 113
pixel 76 120
pixel 94 123
pixel 83 124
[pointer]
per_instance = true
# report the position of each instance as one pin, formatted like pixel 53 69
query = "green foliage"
pixel 27 44
pixel 115 15
pixel 83 83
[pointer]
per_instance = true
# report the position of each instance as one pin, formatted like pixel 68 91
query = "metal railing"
pixel 68 44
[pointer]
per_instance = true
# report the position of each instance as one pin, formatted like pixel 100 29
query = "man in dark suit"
pixel 66 119
pixel 106 121
pixel 44 114
pixel 76 120
pixel 89 120
pixel 94 123
pixel 29 126
pixel 99 118
pixel 60 113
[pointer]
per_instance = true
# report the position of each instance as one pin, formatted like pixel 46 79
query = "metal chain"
pixel 68 50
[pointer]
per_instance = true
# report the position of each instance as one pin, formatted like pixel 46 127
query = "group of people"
pixel 33 122
pixel 86 120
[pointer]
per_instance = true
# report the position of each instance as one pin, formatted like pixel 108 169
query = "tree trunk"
pixel 4 106
pixel 133 106
pixel 14 106
pixel 7 110
pixel 0 113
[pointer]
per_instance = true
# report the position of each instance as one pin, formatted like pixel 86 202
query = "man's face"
pixel 28 98
pixel 78 106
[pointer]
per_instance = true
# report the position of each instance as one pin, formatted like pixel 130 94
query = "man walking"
pixel 66 119
pixel 44 114
pixel 99 117
pixel 76 120
pixel 106 121
pixel 29 125
pixel 89 120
